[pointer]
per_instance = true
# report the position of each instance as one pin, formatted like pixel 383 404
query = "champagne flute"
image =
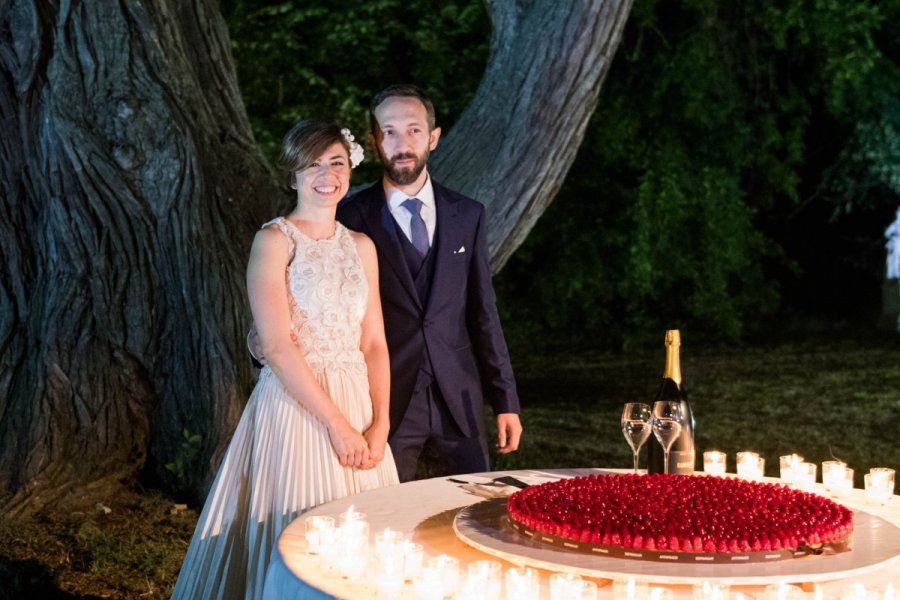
pixel 636 427
pixel 666 422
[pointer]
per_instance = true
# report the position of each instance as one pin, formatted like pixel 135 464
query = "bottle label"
pixel 682 462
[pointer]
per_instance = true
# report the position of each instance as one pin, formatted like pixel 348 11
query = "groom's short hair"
pixel 406 90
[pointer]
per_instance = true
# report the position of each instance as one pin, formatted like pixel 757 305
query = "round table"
pixel 425 511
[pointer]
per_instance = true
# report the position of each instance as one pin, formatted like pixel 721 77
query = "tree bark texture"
pixel 129 193
pixel 131 186
pixel 513 146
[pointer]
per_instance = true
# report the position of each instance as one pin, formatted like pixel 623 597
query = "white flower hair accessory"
pixel 356 151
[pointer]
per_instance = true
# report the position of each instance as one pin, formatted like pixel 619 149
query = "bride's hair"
pixel 306 141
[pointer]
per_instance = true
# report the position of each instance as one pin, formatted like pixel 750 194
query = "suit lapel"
pixel 384 234
pixel 447 215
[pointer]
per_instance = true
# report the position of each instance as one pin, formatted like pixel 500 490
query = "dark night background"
pixel 736 179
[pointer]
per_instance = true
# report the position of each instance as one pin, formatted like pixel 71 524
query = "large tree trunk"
pixel 514 144
pixel 131 187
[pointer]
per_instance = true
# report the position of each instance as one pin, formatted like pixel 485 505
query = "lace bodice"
pixel 328 294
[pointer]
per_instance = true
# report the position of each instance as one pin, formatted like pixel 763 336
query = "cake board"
pixel 485 526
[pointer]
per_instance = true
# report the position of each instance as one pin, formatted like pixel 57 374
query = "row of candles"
pixel 344 549
pixel 837 477
pixel 784 591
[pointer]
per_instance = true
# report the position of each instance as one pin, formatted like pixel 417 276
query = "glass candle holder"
pixel 412 559
pixel 330 549
pixel 832 470
pixel 660 593
pixel 805 477
pixel 448 567
pixel 879 483
pixel 429 584
pixel 471 589
pixel 788 467
pixel 750 465
pixel 629 589
pixel 317 530
pixel 353 560
pixel 351 515
pixel 354 533
pixel 483 580
pixel 841 486
pixel 709 590
pixel 522 583
pixel 389 545
pixel 714 462
pixel 561 585
pixel 585 590
pixel 389 585
pixel 783 591
pixel 569 586
pixel 858 591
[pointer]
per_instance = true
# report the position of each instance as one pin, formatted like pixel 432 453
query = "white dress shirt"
pixel 396 198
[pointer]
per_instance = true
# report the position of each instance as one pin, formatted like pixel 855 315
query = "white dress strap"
pixel 288 230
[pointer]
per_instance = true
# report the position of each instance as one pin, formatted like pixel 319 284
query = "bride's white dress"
pixel 280 461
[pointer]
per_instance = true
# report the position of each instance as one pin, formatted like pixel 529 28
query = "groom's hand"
pixel 509 432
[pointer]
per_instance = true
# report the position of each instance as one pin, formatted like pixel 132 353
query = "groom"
pixel 447 350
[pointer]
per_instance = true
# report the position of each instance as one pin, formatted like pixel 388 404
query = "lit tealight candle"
pixel 448 567
pixel 856 591
pixel 522 583
pixel 483 580
pixel 319 530
pixel 352 515
pixel 569 586
pixel 750 465
pixel 805 477
pixel 561 585
pixel 832 472
pixel 429 584
pixel 714 462
pixel 353 560
pixel 881 479
pixel 629 589
pixel 709 590
pixel 389 546
pixel 788 467
pixel 841 486
pixel 389 584
pixel 412 559
pixel 658 593
pixel 782 591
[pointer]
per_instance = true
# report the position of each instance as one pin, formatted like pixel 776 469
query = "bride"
pixel 316 425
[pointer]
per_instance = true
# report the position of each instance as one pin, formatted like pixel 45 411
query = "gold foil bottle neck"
pixel 673 336
pixel 673 360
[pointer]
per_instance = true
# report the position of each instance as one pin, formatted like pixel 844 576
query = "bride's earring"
pixel 293 181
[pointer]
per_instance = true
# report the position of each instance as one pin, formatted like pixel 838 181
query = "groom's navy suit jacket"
pixel 457 327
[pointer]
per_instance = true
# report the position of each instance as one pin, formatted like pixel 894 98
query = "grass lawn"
pixel 820 400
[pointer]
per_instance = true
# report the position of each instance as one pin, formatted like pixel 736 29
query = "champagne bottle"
pixel 681 455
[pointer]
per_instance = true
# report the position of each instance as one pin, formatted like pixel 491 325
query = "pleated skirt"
pixel 279 464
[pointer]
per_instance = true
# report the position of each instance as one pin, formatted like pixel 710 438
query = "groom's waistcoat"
pixel 422 271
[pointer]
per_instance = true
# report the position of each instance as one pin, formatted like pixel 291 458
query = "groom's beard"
pixel 409 175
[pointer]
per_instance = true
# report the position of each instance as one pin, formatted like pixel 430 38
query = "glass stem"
pixel 635 462
pixel 666 461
